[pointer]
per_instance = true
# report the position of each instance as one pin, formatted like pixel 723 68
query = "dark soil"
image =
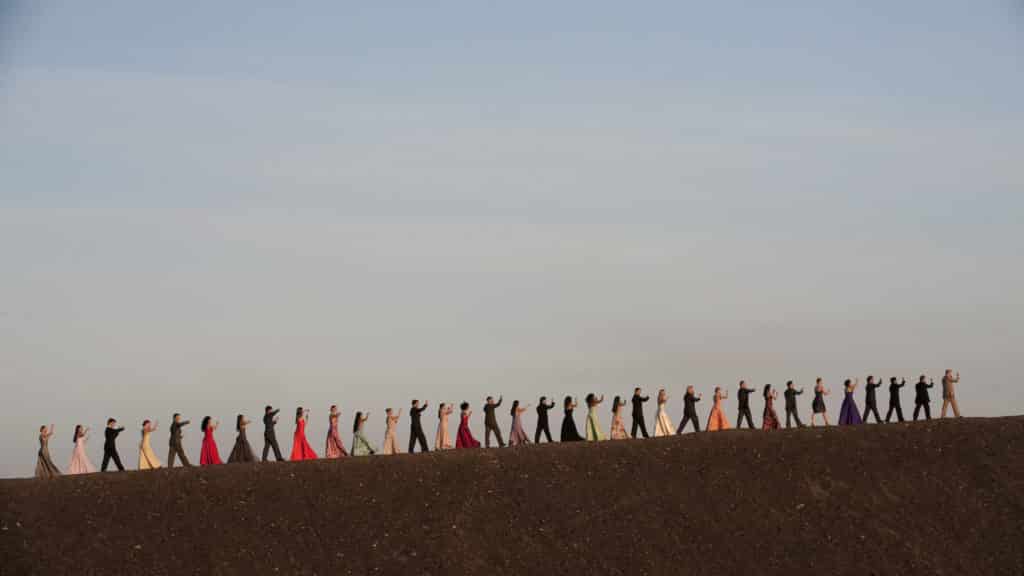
pixel 932 498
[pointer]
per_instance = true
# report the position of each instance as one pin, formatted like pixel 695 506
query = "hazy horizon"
pixel 205 209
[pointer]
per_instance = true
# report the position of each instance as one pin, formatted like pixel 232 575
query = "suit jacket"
pixel 414 417
pixel 791 394
pixel 489 419
pixel 922 393
pixel 869 393
pixel 690 404
pixel 176 432
pixel 894 392
pixel 743 397
pixel 638 406
pixel 542 413
pixel 110 437
pixel 268 423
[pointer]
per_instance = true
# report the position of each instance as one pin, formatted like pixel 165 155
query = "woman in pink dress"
pixel 464 438
pixel 717 420
pixel 618 431
pixel 301 450
pixel 209 454
pixel 444 439
pixel 517 436
pixel 80 463
pixel 334 449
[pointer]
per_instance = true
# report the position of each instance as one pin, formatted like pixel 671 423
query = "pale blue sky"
pixel 207 208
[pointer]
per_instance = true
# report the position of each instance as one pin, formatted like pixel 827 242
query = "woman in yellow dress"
pixel 663 426
pixel 147 459
pixel 716 420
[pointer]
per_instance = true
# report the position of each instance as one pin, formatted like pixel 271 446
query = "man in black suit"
pixel 922 399
pixel 110 445
pixel 894 399
pixel 416 428
pixel 791 393
pixel 870 400
pixel 542 419
pixel 743 397
pixel 175 442
pixel 491 422
pixel 690 410
pixel 269 436
pixel 638 413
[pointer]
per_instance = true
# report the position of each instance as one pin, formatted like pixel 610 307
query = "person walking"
pixel 949 382
pixel 638 413
pixel 791 393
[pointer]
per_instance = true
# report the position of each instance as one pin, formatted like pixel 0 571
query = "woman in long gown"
pixel 569 431
pixel 663 424
pixel 717 420
pixel 45 468
pixel 147 458
pixel 80 463
pixel 241 452
pixel 208 454
pixel 464 438
pixel 444 439
pixel 770 419
pixel 360 445
pixel 301 449
pixel 594 433
pixel 849 415
pixel 618 431
pixel 334 448
pixel 518 436
pixel 818 405
pixel 390 432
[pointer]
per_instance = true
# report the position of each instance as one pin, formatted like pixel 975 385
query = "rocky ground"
pixel 931 498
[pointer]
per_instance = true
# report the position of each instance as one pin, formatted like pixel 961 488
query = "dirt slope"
pixel 936 498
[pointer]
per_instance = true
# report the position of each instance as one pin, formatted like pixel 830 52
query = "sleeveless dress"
pixel 80 463
pixel 618 431
pixel 717 419
pixel 360 445
pixel 569 431
pixel 464 438
pixel 301 450
pixel 771 419
pixel 818 405
pixel 147 458
pixel 517 436
pixel 444 439
pixel 594 433
pixel 334 448
pixel 209 454
pixel 390 440
pixel 662 424
pixel 45 468
pixel 848 413
pixel 241 452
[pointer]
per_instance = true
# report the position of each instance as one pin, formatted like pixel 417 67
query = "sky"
pixel 209 207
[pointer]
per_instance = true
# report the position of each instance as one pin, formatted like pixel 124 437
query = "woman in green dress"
pixel 594 433
pixel 360 445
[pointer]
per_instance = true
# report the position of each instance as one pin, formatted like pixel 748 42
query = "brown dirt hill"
pixel 932 498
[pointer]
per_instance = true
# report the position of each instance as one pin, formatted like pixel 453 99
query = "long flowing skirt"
pixel 45 468
pixel 209 454
pixel 80 463
pixel 517 436
pixel 770 418
pixel 444 439
pixel 848 412
pixel 569 431
pixel 301 449
pixel 334 448
pixel 663 426
pixel 618 431
pixel 717 420
pixel 360 445
pixel 464 437
pixel 390 443
pixel 594 433
pixel 241 452
pixel 147 458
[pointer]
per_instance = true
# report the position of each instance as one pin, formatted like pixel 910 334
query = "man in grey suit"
pixel 175 443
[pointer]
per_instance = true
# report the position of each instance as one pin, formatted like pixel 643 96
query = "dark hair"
pixel 110 421
pixel 440 409
pixel 892 379
pixel 767 389
pixel 590 398
pixel 568 401
pixel 616 403
pixel 542 399
pixel 238 422
pixel 205 424
pixel 637 389
pixel 515 405
pixel 355 423
pixel 415 401
pixel 464 406
pixel 78 428
pixel 268 408
pixel 789 383
pixel 490 399
pixel 144 424
pixel 175 415
pixel 847 382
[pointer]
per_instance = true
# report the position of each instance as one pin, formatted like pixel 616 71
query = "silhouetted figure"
pixel 922 400
pixel 542 419
pixel 894 399
pixel 175 442
pixel 870 399
pixel 269 436
pixel 491 422
pixel 416 427
pixel 638 413
pixel 791 411
pixel 569 431
pixel 110 445
pixel 690 400
pixel 743 399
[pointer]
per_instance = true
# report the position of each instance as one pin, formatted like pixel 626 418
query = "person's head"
pixel 440 408
pixel 590 399
pixel 789 384
pixel 661 391
pixel 515 404
pixel 767 390
pixel 357 422
pixel 847 383
pixel 176 417
pixel 334 408
pixel 490 399
pixel 892 380
pixel 616 403
pixel 145 424
pixel 464 406
pixel 238 422
pixel 267 409
pixel 636 391
pixel 78 432
pixel 817 380
pixel 717 389
pixel 871 379
pixel 923 378
pixel 387 411
pixel 543 399
pixel 415 403
pixel 689 390
pixel 298 414
pixel 205 424
pixel 743 384
pixel 568 401
pixel 42 428
pixel 949 371
pixel 111 422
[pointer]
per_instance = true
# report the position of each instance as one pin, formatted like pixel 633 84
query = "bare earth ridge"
pixel 931 498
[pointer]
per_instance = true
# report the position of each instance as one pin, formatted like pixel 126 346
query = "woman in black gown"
pixel 242 452
pixel 569 431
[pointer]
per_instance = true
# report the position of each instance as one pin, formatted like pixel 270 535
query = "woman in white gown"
pixel 80 463
pixel 663 426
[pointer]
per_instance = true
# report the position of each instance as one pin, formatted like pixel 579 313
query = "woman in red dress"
pixel 209 454
pixel 465 439
pixel 770 419
pixel 301 450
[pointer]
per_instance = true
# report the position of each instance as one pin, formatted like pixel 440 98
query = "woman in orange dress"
pixel 717 420
pixel 301 450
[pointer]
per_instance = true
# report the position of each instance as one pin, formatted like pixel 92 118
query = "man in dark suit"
pixel 491 422
pixel 894 399
pixel 416 428
pixel 542 419
pixel 110 445
pixel 743 397
pixel 690 410
pixel 870 399
pixel 638 413
pixel 269 436
pixel 791 393
pixel 175 442
pixel 922 399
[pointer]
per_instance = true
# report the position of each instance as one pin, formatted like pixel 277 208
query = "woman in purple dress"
pixel 517 436
pixel 848 413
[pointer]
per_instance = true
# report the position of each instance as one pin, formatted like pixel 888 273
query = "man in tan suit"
pixel 949 383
